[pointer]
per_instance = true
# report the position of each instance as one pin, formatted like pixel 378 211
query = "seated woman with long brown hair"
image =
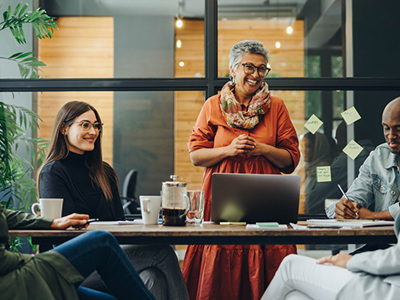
pixel 75 171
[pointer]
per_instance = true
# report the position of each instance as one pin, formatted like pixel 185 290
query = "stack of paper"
pixel 339 223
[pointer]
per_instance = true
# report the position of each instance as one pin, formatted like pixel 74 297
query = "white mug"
pixel 49 207
pixel 150 207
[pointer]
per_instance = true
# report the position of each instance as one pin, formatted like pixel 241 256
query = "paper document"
pixel 338 223
pixel 134 222
pixel 298 227
pixel 255 226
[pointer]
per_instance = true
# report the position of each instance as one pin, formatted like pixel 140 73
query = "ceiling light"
pixel 277 44
pixel 179 23
pixel 289 30
pixel 178 44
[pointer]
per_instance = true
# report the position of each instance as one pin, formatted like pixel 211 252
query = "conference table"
pixel 215 234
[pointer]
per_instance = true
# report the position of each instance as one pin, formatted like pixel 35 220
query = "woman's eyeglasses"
pixel 86 125
pixel 249 69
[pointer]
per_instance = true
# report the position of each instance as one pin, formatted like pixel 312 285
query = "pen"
pixel 92 220
pixel 345 196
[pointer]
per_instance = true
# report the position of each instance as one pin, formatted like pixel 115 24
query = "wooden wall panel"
pixel 82 47
pixel 285 62
pixel 187 108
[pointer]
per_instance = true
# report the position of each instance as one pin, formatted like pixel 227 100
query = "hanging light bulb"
pixel 178 44
pixel 277 44
pixel 289 30
pixel 179 23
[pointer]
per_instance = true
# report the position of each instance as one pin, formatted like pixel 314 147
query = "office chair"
pixel 130 202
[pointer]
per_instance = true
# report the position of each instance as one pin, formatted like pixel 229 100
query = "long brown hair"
pixel 100 172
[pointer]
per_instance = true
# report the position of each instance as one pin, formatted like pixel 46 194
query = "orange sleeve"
pixel 287 138
pixel 203 131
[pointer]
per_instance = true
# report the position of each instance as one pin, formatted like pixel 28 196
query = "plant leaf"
pixel 23 9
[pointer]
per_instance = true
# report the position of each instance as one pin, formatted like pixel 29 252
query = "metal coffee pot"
pixel 175 202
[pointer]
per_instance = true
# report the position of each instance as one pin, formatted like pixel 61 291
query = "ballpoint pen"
pixel 345 196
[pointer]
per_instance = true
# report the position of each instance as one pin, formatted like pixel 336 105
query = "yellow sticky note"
pixel 353 149
pixel 351 115
pixel 324 174
pixel 313 124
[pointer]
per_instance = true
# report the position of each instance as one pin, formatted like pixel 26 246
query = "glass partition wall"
pixel 148 66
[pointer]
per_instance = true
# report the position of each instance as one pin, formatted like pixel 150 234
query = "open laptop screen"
pixel 255 198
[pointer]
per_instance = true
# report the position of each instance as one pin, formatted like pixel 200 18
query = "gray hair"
pixel 244 47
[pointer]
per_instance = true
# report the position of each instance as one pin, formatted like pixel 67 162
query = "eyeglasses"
pixel 249 69
pixel 86 125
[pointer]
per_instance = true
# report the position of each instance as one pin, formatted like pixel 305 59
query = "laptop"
pixel 255 198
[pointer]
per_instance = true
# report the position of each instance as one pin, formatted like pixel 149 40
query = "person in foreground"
pixel 374 193
pixel 242 130
pixel 75 171
pixel 56 274
pixel 368 275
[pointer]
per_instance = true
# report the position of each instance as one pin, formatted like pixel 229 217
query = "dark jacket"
pixel 47 275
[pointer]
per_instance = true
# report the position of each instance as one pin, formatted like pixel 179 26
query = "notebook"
pixel 338 223
pixel 255 198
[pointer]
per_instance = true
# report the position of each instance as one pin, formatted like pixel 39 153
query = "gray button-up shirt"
pixel 377 186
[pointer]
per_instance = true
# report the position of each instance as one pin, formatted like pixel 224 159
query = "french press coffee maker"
pixel 175 202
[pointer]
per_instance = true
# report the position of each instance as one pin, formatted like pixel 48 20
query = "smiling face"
pixel 79 140
pixel 391 125
pixel 248 84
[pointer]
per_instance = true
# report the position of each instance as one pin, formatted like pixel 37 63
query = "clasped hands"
pixel 246 145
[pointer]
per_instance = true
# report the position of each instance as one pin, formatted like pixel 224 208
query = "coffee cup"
pixel 49 207
pixel 150 208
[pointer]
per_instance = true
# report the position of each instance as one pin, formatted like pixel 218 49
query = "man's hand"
pixel 346 209
pixel 365 213
pixel 74 220
pixel 339 260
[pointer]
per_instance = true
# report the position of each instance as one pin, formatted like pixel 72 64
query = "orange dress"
pixel 237 271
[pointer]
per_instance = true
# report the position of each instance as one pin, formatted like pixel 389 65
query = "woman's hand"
pixel 243 144
pixel 259 148
pixel 339 260
pixel 281 158
pixel 207 157
pixel 74 220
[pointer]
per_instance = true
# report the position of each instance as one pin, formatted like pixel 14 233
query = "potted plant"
pixel 17 183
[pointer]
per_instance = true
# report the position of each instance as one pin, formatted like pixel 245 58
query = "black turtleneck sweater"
pixel 69 179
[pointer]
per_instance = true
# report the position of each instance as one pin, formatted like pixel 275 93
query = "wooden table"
pixel 216 234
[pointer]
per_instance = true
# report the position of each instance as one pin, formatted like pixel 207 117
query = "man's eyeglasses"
pixel 86 125
pixel 249 69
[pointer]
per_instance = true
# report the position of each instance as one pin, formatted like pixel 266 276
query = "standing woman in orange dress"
pixel 242 130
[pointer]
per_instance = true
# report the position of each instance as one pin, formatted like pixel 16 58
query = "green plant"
pixel 17 183
pixel 43 26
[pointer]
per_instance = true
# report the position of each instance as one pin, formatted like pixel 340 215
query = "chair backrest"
pixel 129 184
pixel 130 203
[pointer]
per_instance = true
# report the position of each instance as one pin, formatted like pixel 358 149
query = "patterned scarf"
pixel 232 109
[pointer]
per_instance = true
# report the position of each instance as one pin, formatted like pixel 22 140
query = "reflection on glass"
pixel 316 196
pixel 299 35
pixel 105 39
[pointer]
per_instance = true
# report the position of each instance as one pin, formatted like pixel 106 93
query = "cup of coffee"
pixel 196 201
pixel 150 208
pixel 49 207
